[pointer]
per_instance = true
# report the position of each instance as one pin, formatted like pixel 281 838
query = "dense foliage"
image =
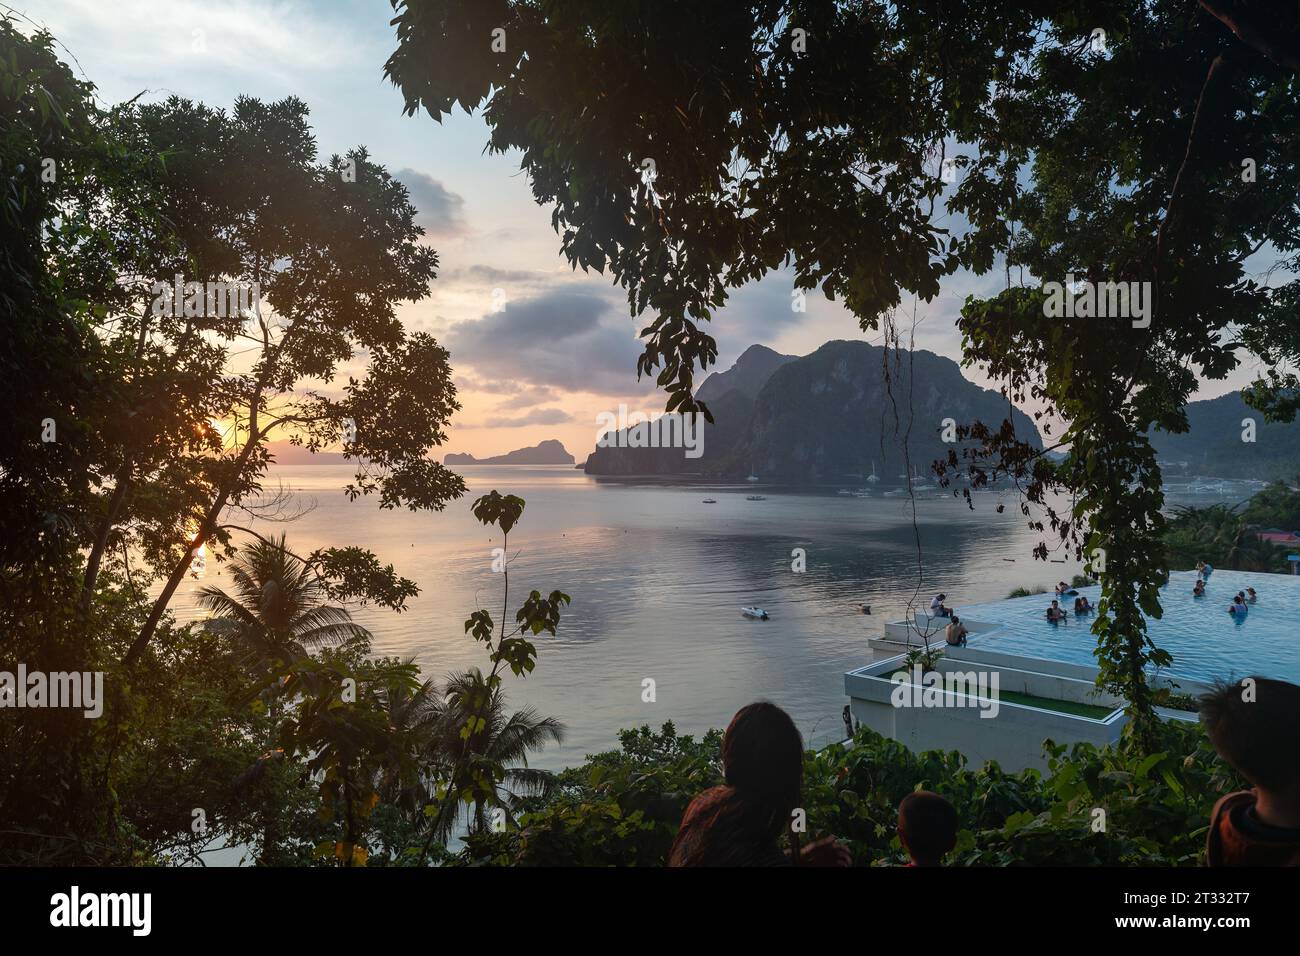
pixel 1098 806
pixel 141 405
pixel 1227 536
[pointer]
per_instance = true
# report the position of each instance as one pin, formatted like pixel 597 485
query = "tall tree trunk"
pixel 206 527
pixel 121 484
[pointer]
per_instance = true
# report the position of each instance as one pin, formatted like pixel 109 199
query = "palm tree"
pixel 413 714
pixel 277 613
pixel 278 610
pixel 1222 535
pixel 497 753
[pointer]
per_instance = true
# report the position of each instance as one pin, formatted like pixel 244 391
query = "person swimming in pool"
pixel 1055 613
pixel 1204 570
pixel 1198 589
pixel 1238 607
pixel 1251 596
pixel 1064 590
pixel 1082 605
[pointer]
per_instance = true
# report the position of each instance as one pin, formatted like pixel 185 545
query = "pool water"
pixel 1206 642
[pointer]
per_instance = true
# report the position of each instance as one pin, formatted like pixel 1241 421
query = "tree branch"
pixel 1264 39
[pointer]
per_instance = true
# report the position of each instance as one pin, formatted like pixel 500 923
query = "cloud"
pixel 528 397
pixel 490 275
pixel 538 416
pixel 234 37
pixel 759 311
pixel 521 394
pixel 571 341
pixel 439 210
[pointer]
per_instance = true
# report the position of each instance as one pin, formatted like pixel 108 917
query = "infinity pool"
pixel 1205 641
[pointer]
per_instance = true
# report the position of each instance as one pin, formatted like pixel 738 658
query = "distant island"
pixel 824 417
pixel 549 452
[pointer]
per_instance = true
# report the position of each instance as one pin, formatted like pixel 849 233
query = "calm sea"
pixel 657 579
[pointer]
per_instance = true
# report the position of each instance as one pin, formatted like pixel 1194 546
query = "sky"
pixel 572 344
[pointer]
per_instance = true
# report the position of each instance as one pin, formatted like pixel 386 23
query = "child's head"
pixel 927 827
pixel 1252 726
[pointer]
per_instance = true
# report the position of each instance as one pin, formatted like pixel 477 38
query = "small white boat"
pixel 710 501
pixel 754 498
pixel 755 612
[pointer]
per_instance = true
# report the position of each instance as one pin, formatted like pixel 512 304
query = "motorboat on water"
pixel 757 613
pixel 755 498
pixel 710 501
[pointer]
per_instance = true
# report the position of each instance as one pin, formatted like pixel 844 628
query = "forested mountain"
pixel 826 417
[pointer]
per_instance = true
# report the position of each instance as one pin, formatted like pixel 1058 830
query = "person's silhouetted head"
pixel 927 827
pixel 1252 726
pixel 740 823
pixel 762 753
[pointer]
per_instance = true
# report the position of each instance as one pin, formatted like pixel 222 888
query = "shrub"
pixel 1026 592
pixel 1096 806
